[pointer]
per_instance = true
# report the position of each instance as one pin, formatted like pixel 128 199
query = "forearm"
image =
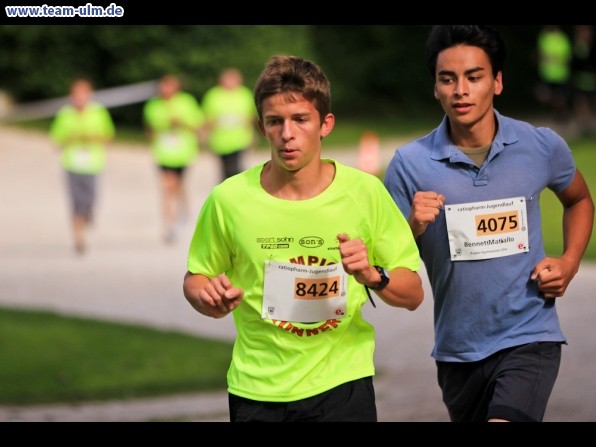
pixel 404 289
pixel 192 286
pixel 416 227
pixel 578 221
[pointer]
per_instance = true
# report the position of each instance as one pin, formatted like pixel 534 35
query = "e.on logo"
pixel 311 242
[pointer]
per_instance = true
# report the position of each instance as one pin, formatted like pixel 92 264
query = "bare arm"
pixel 404 288
pixel 555 274
pixel 214 297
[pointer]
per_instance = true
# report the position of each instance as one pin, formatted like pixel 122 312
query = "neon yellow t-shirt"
pixel 174 145
pixel 232 114
pixel 74 132
pixel 241 226
pixel 555 56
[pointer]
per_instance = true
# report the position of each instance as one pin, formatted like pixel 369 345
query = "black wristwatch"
pixel 384 278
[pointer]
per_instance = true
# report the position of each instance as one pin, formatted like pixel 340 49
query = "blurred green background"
pixel 375 70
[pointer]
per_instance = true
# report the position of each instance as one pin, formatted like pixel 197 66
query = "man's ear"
pixel 499 83
pixel 261 127
pixel 327 125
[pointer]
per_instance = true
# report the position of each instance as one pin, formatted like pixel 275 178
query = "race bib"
pixel 81 158
pixel 229 120
pixel 485 230
pixel 169 140
pixel 297 292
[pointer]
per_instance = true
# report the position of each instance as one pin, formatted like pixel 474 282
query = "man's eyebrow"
pixel 467 72
pixel 294 115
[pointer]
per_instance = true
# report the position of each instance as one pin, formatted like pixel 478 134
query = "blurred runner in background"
pixel 231 120
pixel 82 129
pixel 554 70
pixel 173 120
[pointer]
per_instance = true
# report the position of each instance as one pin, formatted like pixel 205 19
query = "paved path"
pixel 129 275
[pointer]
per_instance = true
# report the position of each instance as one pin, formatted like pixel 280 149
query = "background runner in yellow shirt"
pixel 231 118
pixel 82 129
pixel 173 120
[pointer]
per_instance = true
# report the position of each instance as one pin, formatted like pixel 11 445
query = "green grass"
pixel 46 358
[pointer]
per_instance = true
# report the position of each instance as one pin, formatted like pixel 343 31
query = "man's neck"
pixel 303 184
pixel 479 134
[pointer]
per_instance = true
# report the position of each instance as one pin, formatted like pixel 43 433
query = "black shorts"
pixel 177 170
pixel 350 402
pixel 231 163
pixel 513 384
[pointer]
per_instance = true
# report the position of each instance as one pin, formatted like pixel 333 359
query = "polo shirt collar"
pixel 445 149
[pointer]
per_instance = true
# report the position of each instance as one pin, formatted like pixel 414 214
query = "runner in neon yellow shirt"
pixel 289 247
pixel 173 120
pixel 81 129
pixel 555 53
pixel 231 116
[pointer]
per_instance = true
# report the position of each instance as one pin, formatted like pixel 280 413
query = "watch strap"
pixel 384 278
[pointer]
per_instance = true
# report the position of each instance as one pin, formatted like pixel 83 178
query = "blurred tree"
pixel 374 69
pixel 41 61
pixel 381 69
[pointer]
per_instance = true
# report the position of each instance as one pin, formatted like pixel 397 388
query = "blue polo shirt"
pixel 483 306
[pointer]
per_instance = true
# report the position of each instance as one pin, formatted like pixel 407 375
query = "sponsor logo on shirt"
pixel 311 242
pixel 274 242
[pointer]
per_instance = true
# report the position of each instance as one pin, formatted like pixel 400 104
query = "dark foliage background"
pixel 374 69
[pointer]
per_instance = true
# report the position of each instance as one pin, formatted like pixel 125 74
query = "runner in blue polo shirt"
pixel 471 189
